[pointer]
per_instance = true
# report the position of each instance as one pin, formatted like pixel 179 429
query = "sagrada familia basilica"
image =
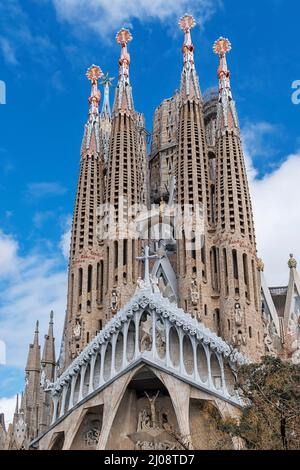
pixel 166 295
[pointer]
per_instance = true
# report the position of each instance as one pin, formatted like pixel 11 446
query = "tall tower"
pixel 125 190
pixel 32 386
pixel 84 308
pixel 48 365
pixel 234 244
pixel 192 183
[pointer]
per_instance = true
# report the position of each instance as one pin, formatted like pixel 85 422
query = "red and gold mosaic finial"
pixel 187 22
pixel 124 99
pixel 222 46
pixel 123 36
pixel 94 73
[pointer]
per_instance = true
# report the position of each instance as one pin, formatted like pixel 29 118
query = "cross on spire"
pixel 146 258
pixel 106 81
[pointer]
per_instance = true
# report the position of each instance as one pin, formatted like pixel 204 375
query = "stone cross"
pixel 146 257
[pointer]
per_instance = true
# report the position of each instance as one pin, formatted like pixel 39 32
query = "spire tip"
pixel 292 262
pixel 187 22
pixel 222 46
pixel 123 36
pixel 94 73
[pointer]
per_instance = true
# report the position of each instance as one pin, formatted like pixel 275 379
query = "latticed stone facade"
pixel 149 351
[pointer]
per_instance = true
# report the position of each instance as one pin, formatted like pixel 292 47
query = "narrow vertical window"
pixel 80 273
pixel 246 275
pixel 101 281
pixel 116 255
pixel 235 264
pixel 90 278
pixel 225 271
pixel 125 244
pixel 133 260
pixel 71 294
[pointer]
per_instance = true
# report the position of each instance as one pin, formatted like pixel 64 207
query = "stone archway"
pixel 145 418
pixel 58 441
pixel 205 434
pixel 89 430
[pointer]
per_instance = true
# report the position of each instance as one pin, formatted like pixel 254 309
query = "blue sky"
pixel 43 63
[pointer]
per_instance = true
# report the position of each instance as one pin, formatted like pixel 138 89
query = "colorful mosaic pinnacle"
pixel 222 46
pixel 123 36
pixel 187 22
pixel 94 73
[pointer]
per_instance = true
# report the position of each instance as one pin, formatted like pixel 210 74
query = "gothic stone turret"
pixel 192 184
pixel 84 314
pixel 126 191
pixel 236 279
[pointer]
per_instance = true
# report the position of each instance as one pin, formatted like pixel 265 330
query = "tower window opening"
pixel 80 274
pixel 90 278
pixel 116 255
pixel 235 265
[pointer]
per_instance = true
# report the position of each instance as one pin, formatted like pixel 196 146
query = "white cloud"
pixel 103 16
pixel 28 292
pixel 65 239
pixel 8 406
pixel 8 255
pixel 276 209
pixel 44 189
pixel 8 51
pixel 27 38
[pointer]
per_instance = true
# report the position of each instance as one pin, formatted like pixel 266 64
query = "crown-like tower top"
pixel 227 116
pixel 124 101
pixel 189 80
pixel 221 47
pixel 186 23
pixel 91 138
pixel 292 263
pixel 94 73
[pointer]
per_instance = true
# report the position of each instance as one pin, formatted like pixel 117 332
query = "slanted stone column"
pixel 63 400
pixel 92 372
pixel 55 400
pixel 71 401
pixel 82 375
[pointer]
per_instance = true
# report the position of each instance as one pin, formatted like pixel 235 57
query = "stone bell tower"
pixel 84 313
pixel 192 184
pixel 126 191
pixel 234 243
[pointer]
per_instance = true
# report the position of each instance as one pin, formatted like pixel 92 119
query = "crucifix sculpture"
pixel 152 401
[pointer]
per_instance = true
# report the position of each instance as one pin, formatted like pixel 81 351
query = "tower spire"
pixel 49 351
pixel 33 361
pixel 123 101
pixel 17 405
pixel 189 80
pixel 91 138
pixel 94 73
pixel 227 115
